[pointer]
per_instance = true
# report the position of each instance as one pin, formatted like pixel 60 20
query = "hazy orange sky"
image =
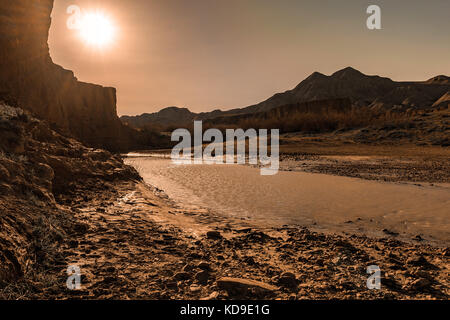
pixel 209 54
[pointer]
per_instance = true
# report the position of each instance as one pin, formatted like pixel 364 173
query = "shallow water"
pixel 328 202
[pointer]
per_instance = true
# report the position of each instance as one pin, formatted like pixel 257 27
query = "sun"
pixel 97 30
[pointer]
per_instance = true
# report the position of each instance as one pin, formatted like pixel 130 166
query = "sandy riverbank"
pixel 135 246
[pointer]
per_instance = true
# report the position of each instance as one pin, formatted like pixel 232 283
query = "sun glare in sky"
pixel 97 30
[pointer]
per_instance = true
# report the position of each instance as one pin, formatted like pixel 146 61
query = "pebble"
pixel 212 296
pixel 204 265
pixel 202 277
pixel 215 235
pixel 180 276
pixel 195 288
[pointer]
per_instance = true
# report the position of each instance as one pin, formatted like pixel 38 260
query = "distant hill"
pixel 347 83
pixel 170 116
pixel 439 80
pixel 360 89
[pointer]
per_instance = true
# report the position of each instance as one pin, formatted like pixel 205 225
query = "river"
pixel 325 202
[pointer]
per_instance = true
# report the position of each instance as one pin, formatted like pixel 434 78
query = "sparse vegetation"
pixel 322 122
pixel 369 126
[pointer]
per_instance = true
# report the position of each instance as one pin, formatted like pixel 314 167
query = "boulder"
pixel 214 235
pixel 202 277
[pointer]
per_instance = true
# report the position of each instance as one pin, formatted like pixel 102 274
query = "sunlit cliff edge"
pixel 29 79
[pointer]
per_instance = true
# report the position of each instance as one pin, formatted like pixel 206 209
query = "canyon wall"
pixel 29 79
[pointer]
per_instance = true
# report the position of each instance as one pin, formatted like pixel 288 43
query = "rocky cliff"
pixel 40 171
pixel 29 79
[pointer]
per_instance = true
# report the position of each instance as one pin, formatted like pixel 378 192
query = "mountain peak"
pixel 172 108
pixel 316 75
pixel 348 72
pixel 173 111
pixel 441 79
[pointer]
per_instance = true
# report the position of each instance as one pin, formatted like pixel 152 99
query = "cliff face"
pixel 40 172
pixel 29 79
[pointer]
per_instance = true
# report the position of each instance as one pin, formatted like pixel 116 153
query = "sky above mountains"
pixel 206 54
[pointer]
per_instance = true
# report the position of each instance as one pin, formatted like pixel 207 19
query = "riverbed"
pixel 325 202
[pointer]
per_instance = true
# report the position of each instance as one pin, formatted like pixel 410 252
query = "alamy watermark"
pixel 190 151
pixel 74 280
pixel 374 281
pixel 374 20
pixel 76 16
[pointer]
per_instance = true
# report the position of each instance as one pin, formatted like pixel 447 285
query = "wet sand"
pixel 136 243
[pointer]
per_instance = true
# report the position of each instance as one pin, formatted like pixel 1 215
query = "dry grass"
pixel 312 122
pixel 323 122
pixel 41 269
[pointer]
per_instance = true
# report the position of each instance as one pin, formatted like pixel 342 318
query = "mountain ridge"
pixel 372 91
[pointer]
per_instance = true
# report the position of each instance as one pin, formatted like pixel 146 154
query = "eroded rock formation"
pixel 29 79
pixel 39 170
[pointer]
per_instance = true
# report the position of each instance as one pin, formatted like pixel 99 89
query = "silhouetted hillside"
pixel 375 92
